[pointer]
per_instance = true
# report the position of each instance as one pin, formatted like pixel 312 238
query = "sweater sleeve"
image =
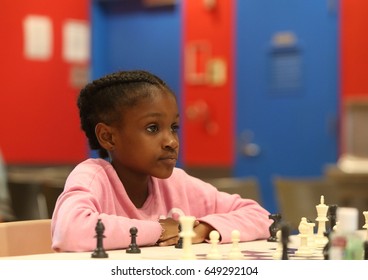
pixel 75 219
pixel 227 212
pixel 87 198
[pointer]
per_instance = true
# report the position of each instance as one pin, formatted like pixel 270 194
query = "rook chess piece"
pixel 133 247
pixel 99 252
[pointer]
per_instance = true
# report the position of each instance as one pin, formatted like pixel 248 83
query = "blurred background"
pixel 268 90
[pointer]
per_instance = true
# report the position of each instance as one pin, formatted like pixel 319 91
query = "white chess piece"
pixel 311 237
pixel 187 233
pixel 322 209
pixel 214 253
pixel 235 252
pixel 304 230
pixel 365 213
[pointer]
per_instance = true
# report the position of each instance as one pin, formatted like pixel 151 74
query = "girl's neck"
pixel 136 186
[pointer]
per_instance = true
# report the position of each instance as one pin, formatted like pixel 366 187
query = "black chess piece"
pixel 133 247
pixel 331 215
pixel 365 257
pixel 327 247
pixel 285 233
pixel 274 227
pixel 179 245
pixel 99 252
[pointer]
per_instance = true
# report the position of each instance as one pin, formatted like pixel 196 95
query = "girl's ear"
pixel 104 136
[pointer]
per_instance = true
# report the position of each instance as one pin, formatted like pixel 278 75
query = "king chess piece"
pixel 322 209
pixel 99 252
pixel 133 247
pixel 274 227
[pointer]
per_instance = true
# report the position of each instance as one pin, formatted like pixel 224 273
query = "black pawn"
pixel 133 247
pixel 99 252
pixel 179 245
pixel 274 227
pixel 285 233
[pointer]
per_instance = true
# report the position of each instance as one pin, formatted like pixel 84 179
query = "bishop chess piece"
pixel 274 227
pixel 99 252
pixel 304 231
pixel 133 247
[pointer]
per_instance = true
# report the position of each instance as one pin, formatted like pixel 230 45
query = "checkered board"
pixel 268 255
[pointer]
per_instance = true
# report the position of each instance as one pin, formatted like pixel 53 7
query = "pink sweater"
pixel 94 191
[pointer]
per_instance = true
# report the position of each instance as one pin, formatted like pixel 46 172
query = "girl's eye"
pixel 152 128
pixel 175 128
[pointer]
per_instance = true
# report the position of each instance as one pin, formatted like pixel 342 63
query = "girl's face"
pixel 146 140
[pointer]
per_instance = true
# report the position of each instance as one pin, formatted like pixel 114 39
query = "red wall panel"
pixel 208 109
pixel 354 46
pixel 39 118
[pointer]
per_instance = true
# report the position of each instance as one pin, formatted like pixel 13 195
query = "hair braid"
pixel 102 100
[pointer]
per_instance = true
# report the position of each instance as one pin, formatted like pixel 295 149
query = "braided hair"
pixel 103 99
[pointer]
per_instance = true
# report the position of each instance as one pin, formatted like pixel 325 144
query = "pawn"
pixel 99 252
pixel 235 253
pixel 133 247
pixel 214 253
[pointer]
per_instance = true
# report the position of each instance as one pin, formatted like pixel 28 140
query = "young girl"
pixel 132 119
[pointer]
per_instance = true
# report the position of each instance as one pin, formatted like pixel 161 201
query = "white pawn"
pixel 214 253
pixel 235 252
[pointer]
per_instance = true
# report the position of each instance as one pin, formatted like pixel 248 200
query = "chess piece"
pixel 133 247
pixel 326 249
pixel 278 252
pixel 331 215
pixel 99 252
pixel 235 252
pixel 304 249
pixel 365 213
pixel 365 257
pixel 322 209
pixel 187 233
pixel 285 233
pixel 274 227
pixel 214 253
pixel 179 245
